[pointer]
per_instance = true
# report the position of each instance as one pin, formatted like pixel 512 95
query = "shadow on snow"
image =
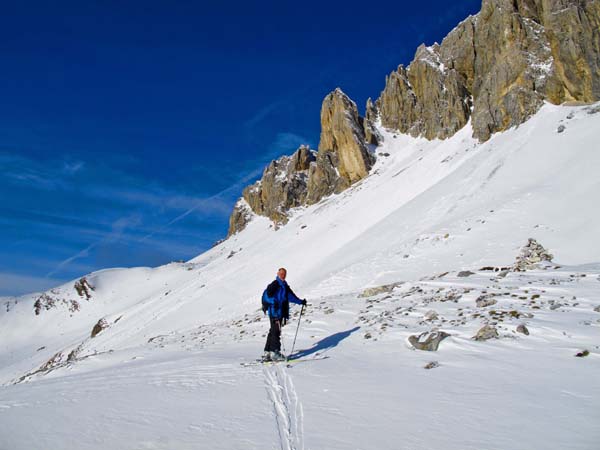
pixel 325 344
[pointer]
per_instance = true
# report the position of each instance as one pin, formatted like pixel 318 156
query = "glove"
pixel 304 302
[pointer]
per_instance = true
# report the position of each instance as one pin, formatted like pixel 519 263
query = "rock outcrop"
pixel 372 136
pixel 101 325
pixel 307 176
pixel 239 218
pixel 426 99
pixel 343 156
pixel 497 68
pixel 283 186
pixel 494 69
pixel 84 288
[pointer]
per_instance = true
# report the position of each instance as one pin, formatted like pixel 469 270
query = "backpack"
pixel 285 307
pixel 265 305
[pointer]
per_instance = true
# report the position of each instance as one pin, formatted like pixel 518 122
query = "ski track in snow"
pixel 287 407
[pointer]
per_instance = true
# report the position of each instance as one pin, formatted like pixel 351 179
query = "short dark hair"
pixel 282 268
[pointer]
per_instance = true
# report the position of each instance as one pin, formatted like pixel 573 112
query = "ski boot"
pixel 277 356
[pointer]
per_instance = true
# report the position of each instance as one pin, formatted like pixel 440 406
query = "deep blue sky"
pixel 128 129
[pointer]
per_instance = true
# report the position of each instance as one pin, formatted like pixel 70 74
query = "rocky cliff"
pixel 283 186
pixel 307 176
pixel 343 156
pixel 495 69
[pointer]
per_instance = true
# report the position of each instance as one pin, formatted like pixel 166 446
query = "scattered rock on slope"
pixel 428 340
pixel 485 300
pixel 465 273
pixel 431 365
pixel 486 332
pixel 372 291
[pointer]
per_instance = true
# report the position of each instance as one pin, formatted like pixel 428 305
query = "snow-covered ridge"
pixel 428 210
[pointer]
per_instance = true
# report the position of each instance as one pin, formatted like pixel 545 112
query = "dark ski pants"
pixel 274 338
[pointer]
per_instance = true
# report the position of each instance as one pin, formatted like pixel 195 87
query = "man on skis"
pixel 276 297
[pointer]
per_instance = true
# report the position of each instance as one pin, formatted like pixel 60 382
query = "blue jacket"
pixel 277 294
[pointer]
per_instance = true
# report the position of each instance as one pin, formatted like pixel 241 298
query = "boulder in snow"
pixel 431 315
pixel 100 325
pixel 432 365
pixel 465 273
pixel 485 300
pixel 371 292
pixel 428 340
pixel 486 332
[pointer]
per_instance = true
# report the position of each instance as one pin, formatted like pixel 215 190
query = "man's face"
pixel 281 273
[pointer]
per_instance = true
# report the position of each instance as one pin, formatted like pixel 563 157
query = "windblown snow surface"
pixel 167 373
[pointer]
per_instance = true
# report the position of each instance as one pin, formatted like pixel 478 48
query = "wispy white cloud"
pixel 119 226
pixel 50 175
pixel 15 284
pixel 219 198
pixel 103 183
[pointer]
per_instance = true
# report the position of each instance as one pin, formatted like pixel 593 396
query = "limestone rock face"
pixel 343 156
pixel 494 69
pixel 457 50
pixel 573 32
pixel 283 186
pixel 506 60
pixel 372 136
pixel 427 98
pixel 239 218
pixel 324 178
pixel 511 65
pixel 307 176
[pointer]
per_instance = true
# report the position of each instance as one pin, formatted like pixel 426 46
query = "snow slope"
pixel 166 373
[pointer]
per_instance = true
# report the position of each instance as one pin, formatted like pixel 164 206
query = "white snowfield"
pixel 167 373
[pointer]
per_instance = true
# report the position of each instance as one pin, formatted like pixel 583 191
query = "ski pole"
pixel 296 335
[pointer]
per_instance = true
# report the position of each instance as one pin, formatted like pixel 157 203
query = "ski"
pixel 288 363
